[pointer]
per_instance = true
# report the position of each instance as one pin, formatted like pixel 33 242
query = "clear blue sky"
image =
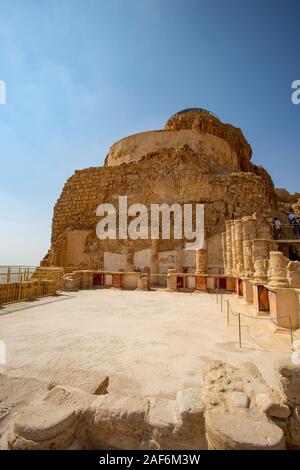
pixel 81 74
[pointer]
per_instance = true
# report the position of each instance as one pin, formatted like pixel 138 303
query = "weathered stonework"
pixel 196 159
pixel 234 410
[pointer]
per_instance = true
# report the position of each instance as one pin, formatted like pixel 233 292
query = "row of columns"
pixel 246 241
pixel 263 274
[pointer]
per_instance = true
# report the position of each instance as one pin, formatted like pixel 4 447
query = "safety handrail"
pixel 239 315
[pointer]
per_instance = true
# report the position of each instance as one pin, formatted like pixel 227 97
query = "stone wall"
pixel 207 123
pixel 166 176
pixel 218 152
pixel 246 241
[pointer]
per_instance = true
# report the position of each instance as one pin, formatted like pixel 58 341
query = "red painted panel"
pixel 98 279
pixel 201 283
pixel 263 299
pixel 221 283
pixel 117 281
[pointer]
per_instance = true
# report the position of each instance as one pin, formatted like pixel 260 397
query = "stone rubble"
pixel 234 410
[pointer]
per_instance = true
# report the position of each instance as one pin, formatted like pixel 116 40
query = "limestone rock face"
pixel 287 201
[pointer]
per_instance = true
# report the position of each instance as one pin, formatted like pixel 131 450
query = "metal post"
pixel 291 332
pixel 221 302
pixel 227 312
pixel 240 331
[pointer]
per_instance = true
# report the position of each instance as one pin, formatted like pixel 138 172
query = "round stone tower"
pixel 224 146
pixel 194 159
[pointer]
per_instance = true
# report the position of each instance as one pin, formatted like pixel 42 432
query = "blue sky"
pixel 82 74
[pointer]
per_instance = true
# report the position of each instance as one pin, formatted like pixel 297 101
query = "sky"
pixel 81 74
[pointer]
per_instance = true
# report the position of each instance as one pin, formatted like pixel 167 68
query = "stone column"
pixel 278 270
pixel 283 300
pixel 178 260
pixel 224 252
pixel 249 233
pixel 293 269
pixel 233 250
pixel 171 280
pixel 239 253
pixel 154 257
pixel 263 227
pixel 261 267
pixel 86 279
pixel 260 250
pixel 228 248
pixel 142 281
pixel 130 262
pixel 201 261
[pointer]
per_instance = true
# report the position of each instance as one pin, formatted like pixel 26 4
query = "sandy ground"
pixel 148 343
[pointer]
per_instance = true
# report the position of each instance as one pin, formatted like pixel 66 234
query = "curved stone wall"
pixel 204 122
pixel 218 152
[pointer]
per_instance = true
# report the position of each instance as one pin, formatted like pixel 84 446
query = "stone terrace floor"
pixel 148 343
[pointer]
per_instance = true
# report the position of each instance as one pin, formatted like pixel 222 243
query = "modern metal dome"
pixel 193 110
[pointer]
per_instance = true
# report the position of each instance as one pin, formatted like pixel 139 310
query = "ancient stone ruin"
pixel 194 159
pixel 234 410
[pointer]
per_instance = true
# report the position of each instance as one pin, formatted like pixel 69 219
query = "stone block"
pixel 43 426
pixel 242 432
pixel 88 381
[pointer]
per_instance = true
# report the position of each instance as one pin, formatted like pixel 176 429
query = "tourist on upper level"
pixel 297 226
pixel 277 228
pixel 291 216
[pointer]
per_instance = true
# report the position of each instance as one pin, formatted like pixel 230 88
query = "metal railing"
pixel 238 315
pixel 287 232
pixel 16 273
pixel 19 283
